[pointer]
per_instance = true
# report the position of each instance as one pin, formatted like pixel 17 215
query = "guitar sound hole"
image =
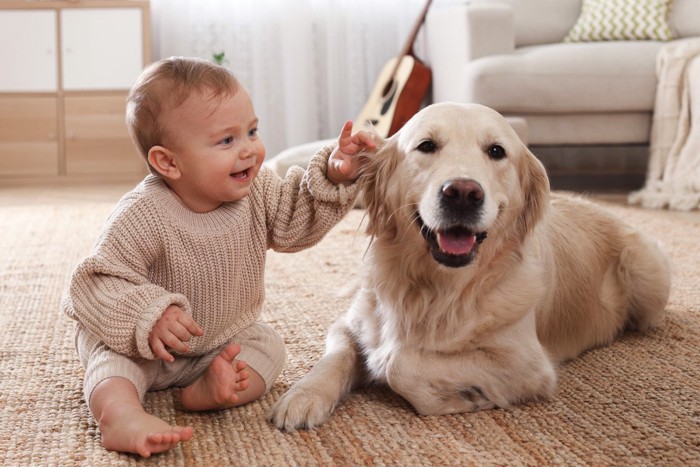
pixel 387 103
pixel 387 88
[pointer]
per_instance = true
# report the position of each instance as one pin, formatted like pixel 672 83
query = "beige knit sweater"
pixel 154 252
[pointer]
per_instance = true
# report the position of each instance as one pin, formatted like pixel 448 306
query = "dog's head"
pixel 455 173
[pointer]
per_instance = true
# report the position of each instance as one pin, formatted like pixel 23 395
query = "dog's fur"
pixel 476 283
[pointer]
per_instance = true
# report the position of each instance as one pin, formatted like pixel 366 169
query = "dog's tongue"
pixel 456 243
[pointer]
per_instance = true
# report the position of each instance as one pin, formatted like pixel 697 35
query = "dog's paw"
pixel 475 396
pixel 301 408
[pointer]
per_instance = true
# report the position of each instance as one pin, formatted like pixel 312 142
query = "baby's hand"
pixel 172 331
pixel 344 163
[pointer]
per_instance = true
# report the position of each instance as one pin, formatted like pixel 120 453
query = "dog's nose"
pixel 462 193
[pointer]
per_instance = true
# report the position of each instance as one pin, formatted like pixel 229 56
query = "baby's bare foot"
pixel 218 387
pixel 140 433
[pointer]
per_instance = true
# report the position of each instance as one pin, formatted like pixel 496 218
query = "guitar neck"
pixel 408 47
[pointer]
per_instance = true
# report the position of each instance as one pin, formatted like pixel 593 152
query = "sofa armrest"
pixel 457 34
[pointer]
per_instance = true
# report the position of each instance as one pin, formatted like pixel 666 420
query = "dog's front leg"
pixel 312 400
pixel 513 368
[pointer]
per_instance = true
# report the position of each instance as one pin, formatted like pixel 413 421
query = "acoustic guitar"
pixel 400 89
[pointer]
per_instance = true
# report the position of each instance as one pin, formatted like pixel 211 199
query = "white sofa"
pixel 510 55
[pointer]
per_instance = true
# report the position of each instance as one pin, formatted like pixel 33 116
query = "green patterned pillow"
pixel 615 20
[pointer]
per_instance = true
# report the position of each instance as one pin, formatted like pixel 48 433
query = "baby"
pixel 172 293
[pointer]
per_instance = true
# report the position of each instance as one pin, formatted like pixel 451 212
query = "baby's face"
pixel 217 148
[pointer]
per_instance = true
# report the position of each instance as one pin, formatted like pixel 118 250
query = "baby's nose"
pixel 249 150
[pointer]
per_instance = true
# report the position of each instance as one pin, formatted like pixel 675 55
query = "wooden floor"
pixel 81 192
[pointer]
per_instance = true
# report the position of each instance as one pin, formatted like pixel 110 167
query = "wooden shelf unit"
pixel 68 68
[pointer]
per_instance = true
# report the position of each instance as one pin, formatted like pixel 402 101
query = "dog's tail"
pixel 648 278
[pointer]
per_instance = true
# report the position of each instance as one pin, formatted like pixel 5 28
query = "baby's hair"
pixel 165 85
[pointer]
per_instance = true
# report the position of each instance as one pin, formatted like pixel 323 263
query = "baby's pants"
pixel 262 349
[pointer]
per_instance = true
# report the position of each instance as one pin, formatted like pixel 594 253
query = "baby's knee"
pixel 101 363
pixel 263 350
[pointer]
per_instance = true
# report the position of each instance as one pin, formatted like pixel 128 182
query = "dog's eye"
pixel 428 146
pixel 496 151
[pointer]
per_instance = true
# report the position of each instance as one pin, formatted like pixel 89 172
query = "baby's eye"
pixel 253 133
pixel 227 140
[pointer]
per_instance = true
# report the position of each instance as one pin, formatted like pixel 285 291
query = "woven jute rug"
pixel 636 402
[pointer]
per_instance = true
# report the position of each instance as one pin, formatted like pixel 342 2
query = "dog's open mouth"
pixel 452 247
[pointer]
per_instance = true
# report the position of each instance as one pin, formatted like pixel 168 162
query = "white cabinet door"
pixel 102 47
pixel 28 51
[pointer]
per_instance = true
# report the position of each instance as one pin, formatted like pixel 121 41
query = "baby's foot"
pixel 218 387
pixel 140 433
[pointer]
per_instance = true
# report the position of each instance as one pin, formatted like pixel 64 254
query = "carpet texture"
pixel 635 402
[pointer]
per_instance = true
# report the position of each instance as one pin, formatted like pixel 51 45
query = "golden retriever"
pixel 477 281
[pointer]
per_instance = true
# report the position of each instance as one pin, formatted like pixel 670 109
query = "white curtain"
pixel 309 65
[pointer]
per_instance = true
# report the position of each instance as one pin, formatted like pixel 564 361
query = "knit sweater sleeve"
pixel 110 292
pixel 305 205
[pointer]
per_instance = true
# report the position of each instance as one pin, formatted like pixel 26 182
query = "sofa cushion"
pixel 614 20
pixel 566 77
pixel 540 21
pixel 685 18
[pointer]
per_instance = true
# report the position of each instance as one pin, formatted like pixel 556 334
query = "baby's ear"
pixel 164 162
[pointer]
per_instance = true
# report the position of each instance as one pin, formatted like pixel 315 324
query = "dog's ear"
pixel 535 185
pixel 374 180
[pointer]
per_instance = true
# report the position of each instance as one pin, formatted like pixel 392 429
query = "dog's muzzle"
pixel 454 242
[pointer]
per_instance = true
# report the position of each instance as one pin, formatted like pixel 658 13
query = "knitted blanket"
pixel 673 177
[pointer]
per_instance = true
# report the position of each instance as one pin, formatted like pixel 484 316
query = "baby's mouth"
pixel 242 175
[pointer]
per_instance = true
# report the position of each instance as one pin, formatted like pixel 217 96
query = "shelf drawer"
pixel 97 140
pixel 28 136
